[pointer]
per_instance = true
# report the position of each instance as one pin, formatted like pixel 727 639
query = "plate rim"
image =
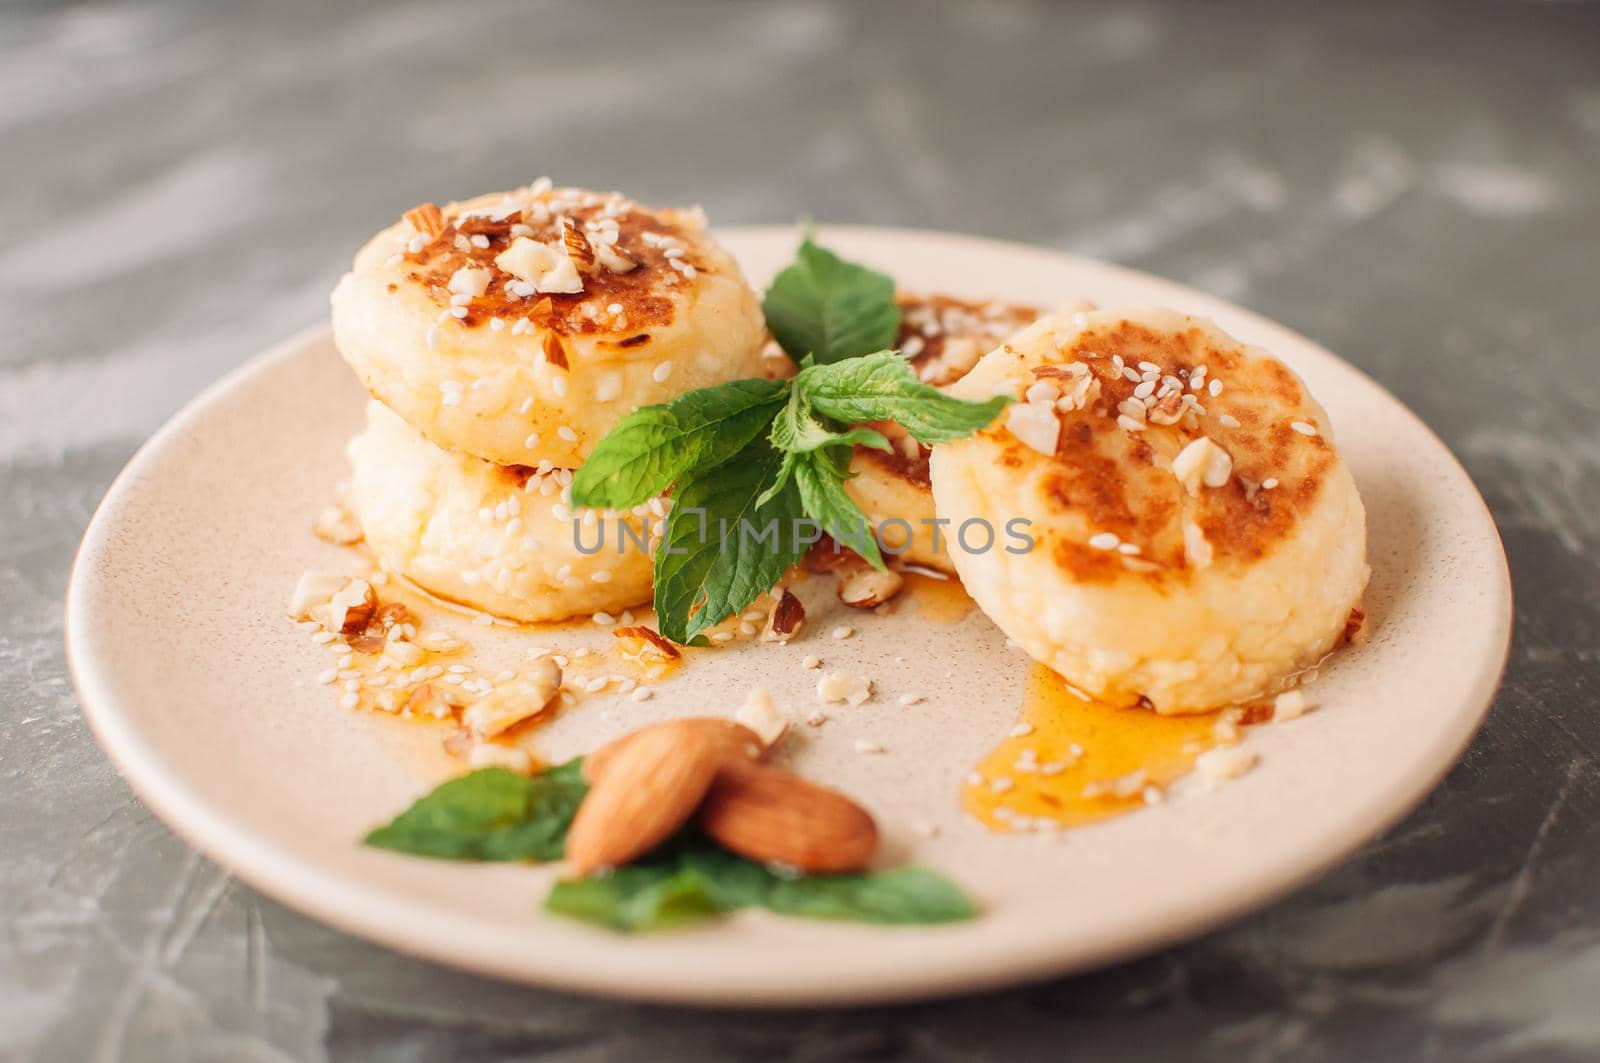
pixel 370 913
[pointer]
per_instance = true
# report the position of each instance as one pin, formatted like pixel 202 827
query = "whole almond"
pixel 650 788
pixel 730 739
pixel 774 817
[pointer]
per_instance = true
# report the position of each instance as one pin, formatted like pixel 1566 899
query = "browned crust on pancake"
pixel 1112 476
pixel 638 292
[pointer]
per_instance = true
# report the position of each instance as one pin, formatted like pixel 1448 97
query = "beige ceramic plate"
pixel 203 695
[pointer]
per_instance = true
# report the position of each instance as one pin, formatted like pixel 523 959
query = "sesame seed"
pixel 350 701
pixel 568 434
pixel 1022 730
pixel 1128 424
pixel 1104 541
pixel 1149 367
pixel 328 676
pixel 1303 428
pixel 866 746
pixel 1215 387
pixel 843 631
pixel 811 661
pixel 721 636
pixel 1002 785
pixel 641 694
pixel 602 576
pixel 660 373
pixel 1269 483
pixel 497 324
pixel 559 386
pixel 910 699
pixel 1227 420
pixel 1128 548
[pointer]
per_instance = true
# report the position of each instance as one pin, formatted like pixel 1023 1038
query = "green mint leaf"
pixel 652 447
pixel 490 814
pixel 798 428
pixel 831 309
pixel 690 878
pixel 819 476
pixel 727 541
pixel 649 896
pixel 905 895
pixel 882 387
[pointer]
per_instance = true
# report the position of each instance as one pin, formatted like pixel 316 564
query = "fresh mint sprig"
pixel 751 462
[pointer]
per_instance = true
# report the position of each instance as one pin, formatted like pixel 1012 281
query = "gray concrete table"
pixel 1417 188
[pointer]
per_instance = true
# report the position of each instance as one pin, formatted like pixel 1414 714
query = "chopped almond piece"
pixel 554 352
pixel 514 700
pixel 578 248
pixel 827 555
pixel 312 592
pixel 352 609
pixel 338 526
pixel 787 619
pixel 760 715
pixel 651 646
pixel 869 587
pixel 427 219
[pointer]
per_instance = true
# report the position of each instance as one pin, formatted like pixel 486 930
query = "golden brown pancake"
pixel 496 538
pixel 520 327
pixel 1197 537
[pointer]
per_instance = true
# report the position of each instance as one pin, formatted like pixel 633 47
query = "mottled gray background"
pixel 1415 187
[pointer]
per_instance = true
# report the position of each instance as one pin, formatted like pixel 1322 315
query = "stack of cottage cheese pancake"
pixel 500 339
pixel 1194 537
